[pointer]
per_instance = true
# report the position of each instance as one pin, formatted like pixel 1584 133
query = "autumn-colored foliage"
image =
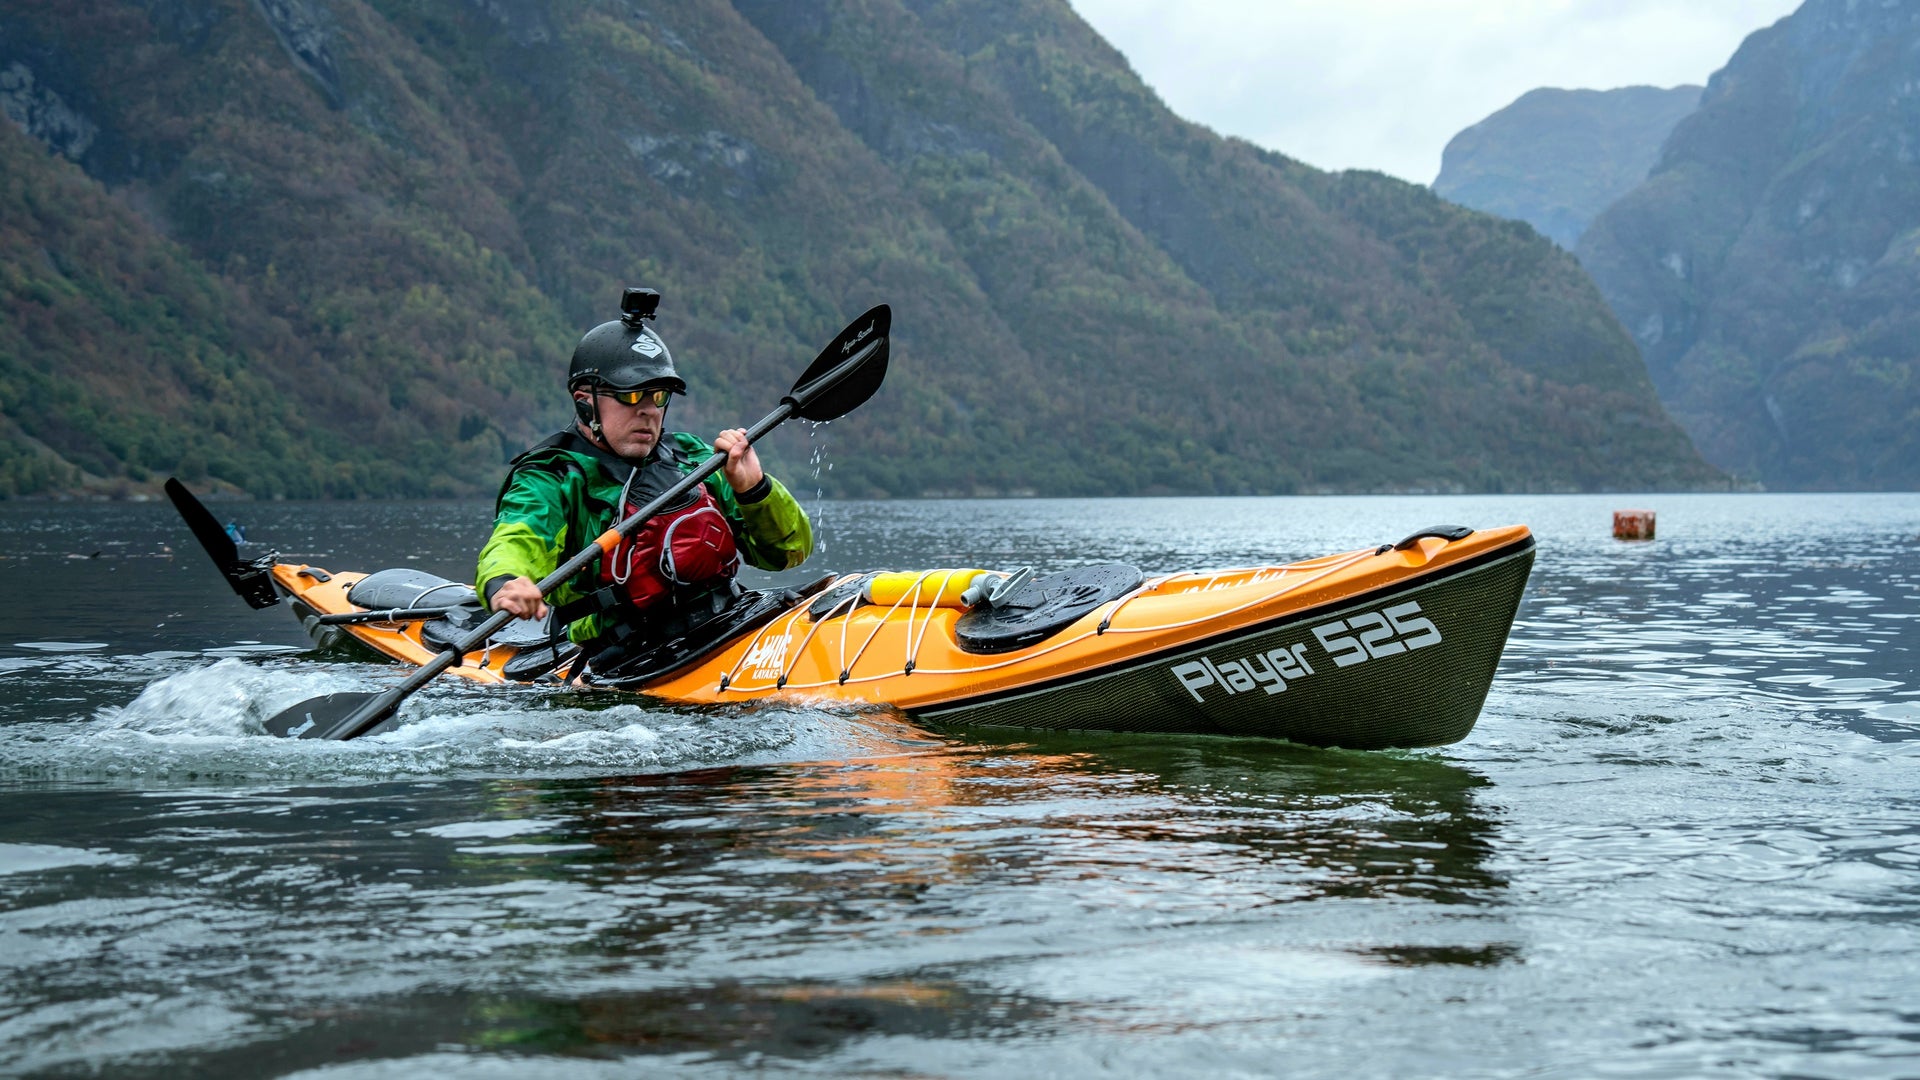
pixel 343 249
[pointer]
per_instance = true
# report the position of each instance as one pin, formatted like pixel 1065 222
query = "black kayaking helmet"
pixel 626 354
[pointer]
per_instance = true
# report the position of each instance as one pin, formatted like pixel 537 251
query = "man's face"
pixel 631 431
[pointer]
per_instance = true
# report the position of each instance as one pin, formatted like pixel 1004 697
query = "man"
pixel 676 571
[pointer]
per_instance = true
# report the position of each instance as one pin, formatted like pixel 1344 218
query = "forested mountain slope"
pixel 342 247
pixel 1770 265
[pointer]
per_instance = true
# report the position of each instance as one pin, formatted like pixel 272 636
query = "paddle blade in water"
pixel 317 718
pixel 848 371
pixel 253 582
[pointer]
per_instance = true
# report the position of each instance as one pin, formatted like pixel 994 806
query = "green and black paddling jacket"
pixel 564 492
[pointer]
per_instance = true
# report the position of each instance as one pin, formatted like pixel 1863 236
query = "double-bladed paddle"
pixel 840 379
pixel 253 580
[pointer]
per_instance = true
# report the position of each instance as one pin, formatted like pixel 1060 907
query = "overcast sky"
pixel 1383 84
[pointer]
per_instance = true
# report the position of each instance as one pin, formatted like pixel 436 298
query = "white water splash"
pixel 208 724
pixel 228 698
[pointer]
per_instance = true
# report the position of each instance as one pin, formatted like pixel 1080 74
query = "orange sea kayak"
pixel 1393 646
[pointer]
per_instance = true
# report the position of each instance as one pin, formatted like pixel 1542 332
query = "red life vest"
pixel 679 548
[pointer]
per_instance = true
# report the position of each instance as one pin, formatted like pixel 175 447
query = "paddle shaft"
pixel 384 706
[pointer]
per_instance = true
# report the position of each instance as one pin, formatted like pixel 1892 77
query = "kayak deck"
pixel 1389 646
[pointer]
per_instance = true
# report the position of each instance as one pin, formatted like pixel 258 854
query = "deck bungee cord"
pixel 729 681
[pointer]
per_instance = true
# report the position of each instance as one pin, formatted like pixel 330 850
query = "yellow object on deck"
pixel 921 588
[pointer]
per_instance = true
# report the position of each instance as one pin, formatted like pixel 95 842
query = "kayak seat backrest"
pixel 1044 607
pixel 404 588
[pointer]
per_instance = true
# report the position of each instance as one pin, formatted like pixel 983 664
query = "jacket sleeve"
pixel 777 534
pixel 529 530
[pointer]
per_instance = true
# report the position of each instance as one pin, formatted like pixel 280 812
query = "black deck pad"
pixel 530 663
pixel 838 598
pixel 1044 607
pixel 444 634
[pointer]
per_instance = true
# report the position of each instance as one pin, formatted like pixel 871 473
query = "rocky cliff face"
pixel 1769 266
pixel 343 247
pixel 1556 158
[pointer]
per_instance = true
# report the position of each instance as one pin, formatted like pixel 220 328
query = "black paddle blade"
pixel 848 371
pixel 251 580
pixel 326 717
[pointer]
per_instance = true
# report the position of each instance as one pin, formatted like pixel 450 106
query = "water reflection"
pixel 1338 822
pixel 908 894
pixel 816 882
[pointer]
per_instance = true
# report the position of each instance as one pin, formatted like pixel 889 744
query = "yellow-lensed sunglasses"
pixel 656 397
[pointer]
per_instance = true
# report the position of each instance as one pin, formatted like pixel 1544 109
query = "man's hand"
pixel 743 465
pixel 522 597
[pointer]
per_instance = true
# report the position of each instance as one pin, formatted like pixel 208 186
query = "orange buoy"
pixel 1633 524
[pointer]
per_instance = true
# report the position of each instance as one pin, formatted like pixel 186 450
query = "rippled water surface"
pixel 1684 839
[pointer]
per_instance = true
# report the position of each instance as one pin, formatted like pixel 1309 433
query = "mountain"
pixel 343 247
pixel 1556 158
pixel 1769 266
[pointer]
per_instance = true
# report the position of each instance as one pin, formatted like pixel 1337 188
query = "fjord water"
pixel 1684 839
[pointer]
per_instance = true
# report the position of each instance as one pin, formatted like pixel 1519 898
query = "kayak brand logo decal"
pixel 1389 632
pixel 647 345
pixel 768 658
pixel 1370 635
pixel 858 338
pixel 1267 671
